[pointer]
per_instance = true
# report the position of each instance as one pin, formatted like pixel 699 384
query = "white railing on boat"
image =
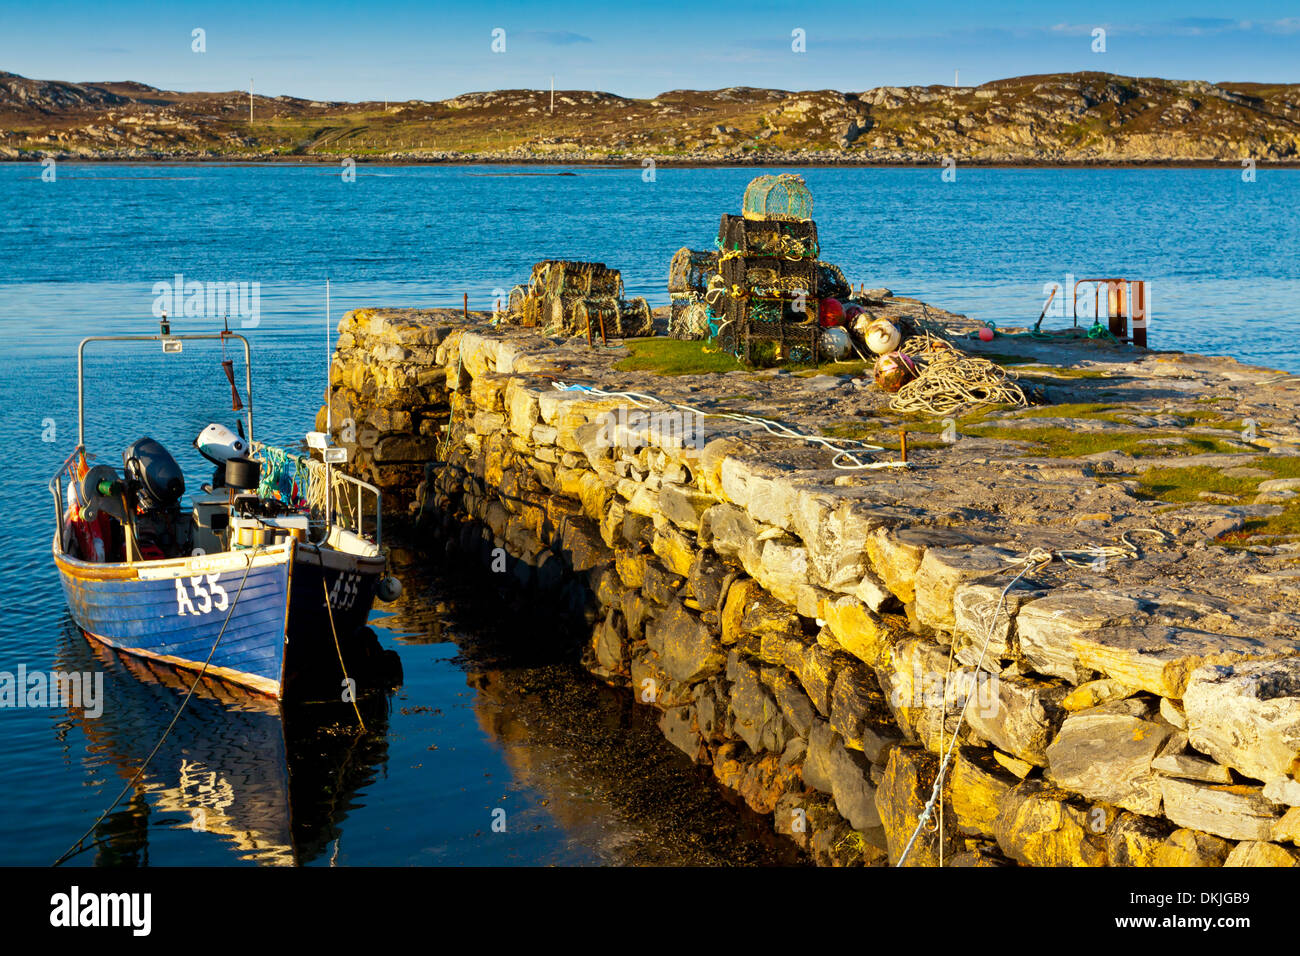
pixel 56 489
pixel 342 504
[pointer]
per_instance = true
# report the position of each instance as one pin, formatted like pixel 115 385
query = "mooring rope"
pixel 1034 560
pixel 329 609
pixel 77 847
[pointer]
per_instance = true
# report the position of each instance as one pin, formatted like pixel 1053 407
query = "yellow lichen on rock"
pixel 857 628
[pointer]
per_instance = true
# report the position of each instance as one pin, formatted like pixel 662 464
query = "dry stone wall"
pixel 815 643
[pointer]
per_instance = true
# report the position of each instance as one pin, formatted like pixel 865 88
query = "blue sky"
pixel 400 50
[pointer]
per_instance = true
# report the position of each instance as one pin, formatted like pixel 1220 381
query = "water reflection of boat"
pixel 272 781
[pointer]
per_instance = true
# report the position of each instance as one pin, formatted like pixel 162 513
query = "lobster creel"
pixel 564 278
pixel 690 319
pixel 782 197
pixel 635 319
pixel 832 282
pixel 690 269
pixel 597 319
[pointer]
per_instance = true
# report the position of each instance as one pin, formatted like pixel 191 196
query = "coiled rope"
pixel 952 379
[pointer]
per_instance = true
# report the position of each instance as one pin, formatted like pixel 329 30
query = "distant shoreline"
pixel 1082 120
pixel 660 162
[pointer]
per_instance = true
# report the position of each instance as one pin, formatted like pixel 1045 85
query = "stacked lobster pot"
pixel 689 274
pixel 770 280
pixel 578 298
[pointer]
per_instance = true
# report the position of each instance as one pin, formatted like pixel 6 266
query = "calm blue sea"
pixel 81 255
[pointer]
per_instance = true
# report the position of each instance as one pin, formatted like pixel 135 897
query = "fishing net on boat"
pixel 285 477
pixel 300 481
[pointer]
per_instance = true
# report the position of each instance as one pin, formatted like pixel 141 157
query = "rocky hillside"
pixel 1077 117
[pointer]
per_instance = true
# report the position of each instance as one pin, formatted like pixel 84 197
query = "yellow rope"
pixel 951 379
pixel 329 609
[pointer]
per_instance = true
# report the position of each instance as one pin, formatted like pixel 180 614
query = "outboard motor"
pixel 155 484
pixel 157 479
pixel 218 444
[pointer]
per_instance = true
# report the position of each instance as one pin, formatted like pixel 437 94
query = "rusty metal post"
pixel 1117 308
pixel 465 305
pixel 902 444
pixel 1140 316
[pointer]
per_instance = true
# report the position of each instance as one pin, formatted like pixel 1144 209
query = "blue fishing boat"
pixel 264 578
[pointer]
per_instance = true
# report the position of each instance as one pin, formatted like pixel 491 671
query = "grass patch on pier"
pixel 1284 525
pixel 1048 372
pixel 1186 484
pixel 855 367
pixel 1174 484
pixel 1100 410
pixel 664 356
pixel 1060 442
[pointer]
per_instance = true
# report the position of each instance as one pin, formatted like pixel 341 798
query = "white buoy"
pixel 882 336
pixel 836 343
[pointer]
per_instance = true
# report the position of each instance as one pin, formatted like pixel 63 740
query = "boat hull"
pixel 278 627
pixel 319 631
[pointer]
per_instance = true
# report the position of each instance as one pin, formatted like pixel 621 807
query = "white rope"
pixel 843 459
pixel 1035 559
pixel 956 734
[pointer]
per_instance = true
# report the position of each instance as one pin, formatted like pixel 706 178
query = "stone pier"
pixel 818 633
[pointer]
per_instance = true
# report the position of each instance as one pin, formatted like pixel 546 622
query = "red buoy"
pixel 831 313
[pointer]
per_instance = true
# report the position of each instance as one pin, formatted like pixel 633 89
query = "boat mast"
pixel 329 419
